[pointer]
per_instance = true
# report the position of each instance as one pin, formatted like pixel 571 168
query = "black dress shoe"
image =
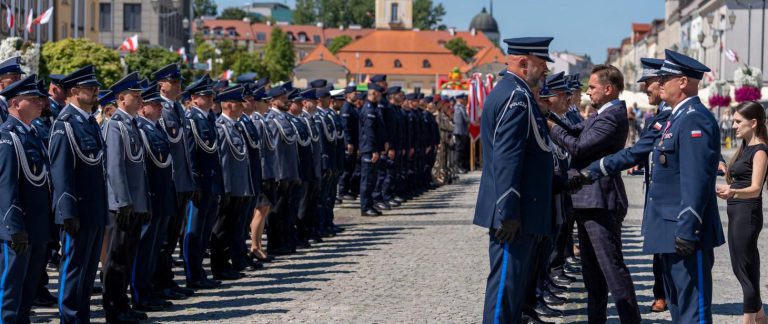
pixel 96 290
pixel 227 275
pixel 213 281
pixel 147 307
pixel 139 315
pixel 398 199
pixel 178 262
pixel 348 197
pixel 280 251
pixel 369 213
pixel 382 206
pixel 170 294
pixel 338 201
pixel 546 311
pixel 570 276
pixel 552 300
pixel 378 212
pixel 533 318
pixel 253 264
pixel 561 280
pixel 184 291
pixel 268 259
pixel 569 269
pixel 160 302
pixel 316 239
pixel 336 229
pixel 555 289
pixel 124 318
pixel 393 203
pixel 202 284
pixel 304 244
pixel 44 299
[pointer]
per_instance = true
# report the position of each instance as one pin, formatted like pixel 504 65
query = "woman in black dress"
pixel 745 177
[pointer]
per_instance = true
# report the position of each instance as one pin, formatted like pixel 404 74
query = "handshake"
pixel 575 183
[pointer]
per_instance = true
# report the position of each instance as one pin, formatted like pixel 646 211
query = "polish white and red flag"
pixel 9 19
pixel 227 75
pixel 30 21
pixel 130 44
pixel 44 18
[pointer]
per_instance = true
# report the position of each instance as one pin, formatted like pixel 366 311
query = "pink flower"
pixel 747 93
pixel 719 101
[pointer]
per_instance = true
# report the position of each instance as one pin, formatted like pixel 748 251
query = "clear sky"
pixel 579 26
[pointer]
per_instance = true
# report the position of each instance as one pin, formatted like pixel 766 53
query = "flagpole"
pixel 39 10
pixel 76 18
pixel 26 31
pixel 13 14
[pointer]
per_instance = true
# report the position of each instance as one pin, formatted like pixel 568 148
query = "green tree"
pixel 68 55
pixel 279 56
pixel 305 12
pixel 204 8
pixel 459 47
pixel 427 16
pixel 249 62
pixel 150 59
pixel 233 13
pixel 339 43
pixel 359 12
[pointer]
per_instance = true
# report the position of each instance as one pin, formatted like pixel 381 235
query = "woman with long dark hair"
pixel 745 178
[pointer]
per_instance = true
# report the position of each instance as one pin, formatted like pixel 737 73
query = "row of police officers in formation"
pixel 206 167
pixel 545 169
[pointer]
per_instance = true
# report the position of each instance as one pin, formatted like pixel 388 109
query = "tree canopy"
pixel 150 59
pixel 339 43
pixel 458 46
pixel 279 56
pixel 68 55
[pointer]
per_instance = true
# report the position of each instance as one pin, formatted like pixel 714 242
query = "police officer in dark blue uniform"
pixel 332 133
pixel 515 197
pixel 25 230
pixel 79 197
pixel 350 121
pixel 238 186
pixel 240 254
pixel 56 95
pixel 311 155
pixel 206 167
pixel 269 171
pixel 127 190
pixel 10 72
pixel 371 145
pixel 176 126
pixel 162 194
pixel 279 233
pixel 382 193
pixel 681 218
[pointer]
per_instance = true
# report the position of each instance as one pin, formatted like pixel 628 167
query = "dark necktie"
pixel 212 118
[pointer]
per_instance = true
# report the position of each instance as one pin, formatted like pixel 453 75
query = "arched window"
pixel 368 63
pixel 425 64
pixel 290 36
pixel 303 37
pixel 398 64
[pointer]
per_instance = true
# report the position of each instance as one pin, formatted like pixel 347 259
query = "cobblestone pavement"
pixel 423 262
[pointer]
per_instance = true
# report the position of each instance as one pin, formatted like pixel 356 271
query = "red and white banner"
pixel 9 19
pixel 30 20
pixel 45 17
pixel 226 75
pixel 131 44
pixel 479 88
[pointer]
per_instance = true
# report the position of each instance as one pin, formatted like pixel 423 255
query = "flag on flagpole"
pixel 9 18
pixel 130 44
pixel 732 56
pixel 196 60
pixel 45 17
pixel 171 49
pixel 182 52
pixel 30 20
pixel 210 64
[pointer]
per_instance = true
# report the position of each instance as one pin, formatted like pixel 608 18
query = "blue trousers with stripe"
pixel 197 235
pixel 505 290
pixel 13 267
pixel 146 257
pixel 688 286
pixel 37 262
pixel 79 262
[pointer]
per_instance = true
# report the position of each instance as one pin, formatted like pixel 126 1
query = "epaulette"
pixel 116 117
pixel 6 127
pixel 20 129
pixel 65 116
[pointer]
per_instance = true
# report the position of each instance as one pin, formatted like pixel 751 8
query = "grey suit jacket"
pixel 126 174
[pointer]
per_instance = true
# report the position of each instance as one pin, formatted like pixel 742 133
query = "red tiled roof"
pixel 641 28
pixel 486 55
pixel 395 41
pixel 321 53
pixel 243 29
pixel 411 63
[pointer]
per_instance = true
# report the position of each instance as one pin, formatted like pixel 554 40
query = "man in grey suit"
pixel 461 133
pixel 600 207
pixel 127 192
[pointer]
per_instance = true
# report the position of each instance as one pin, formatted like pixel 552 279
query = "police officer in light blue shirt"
pixel 206 167
pixel 681 218
pixel 78 177
pixel 127 190
pixel 162 194
pixel 25 203
pixel 278 121
pixel 238 185
pixel 515 197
